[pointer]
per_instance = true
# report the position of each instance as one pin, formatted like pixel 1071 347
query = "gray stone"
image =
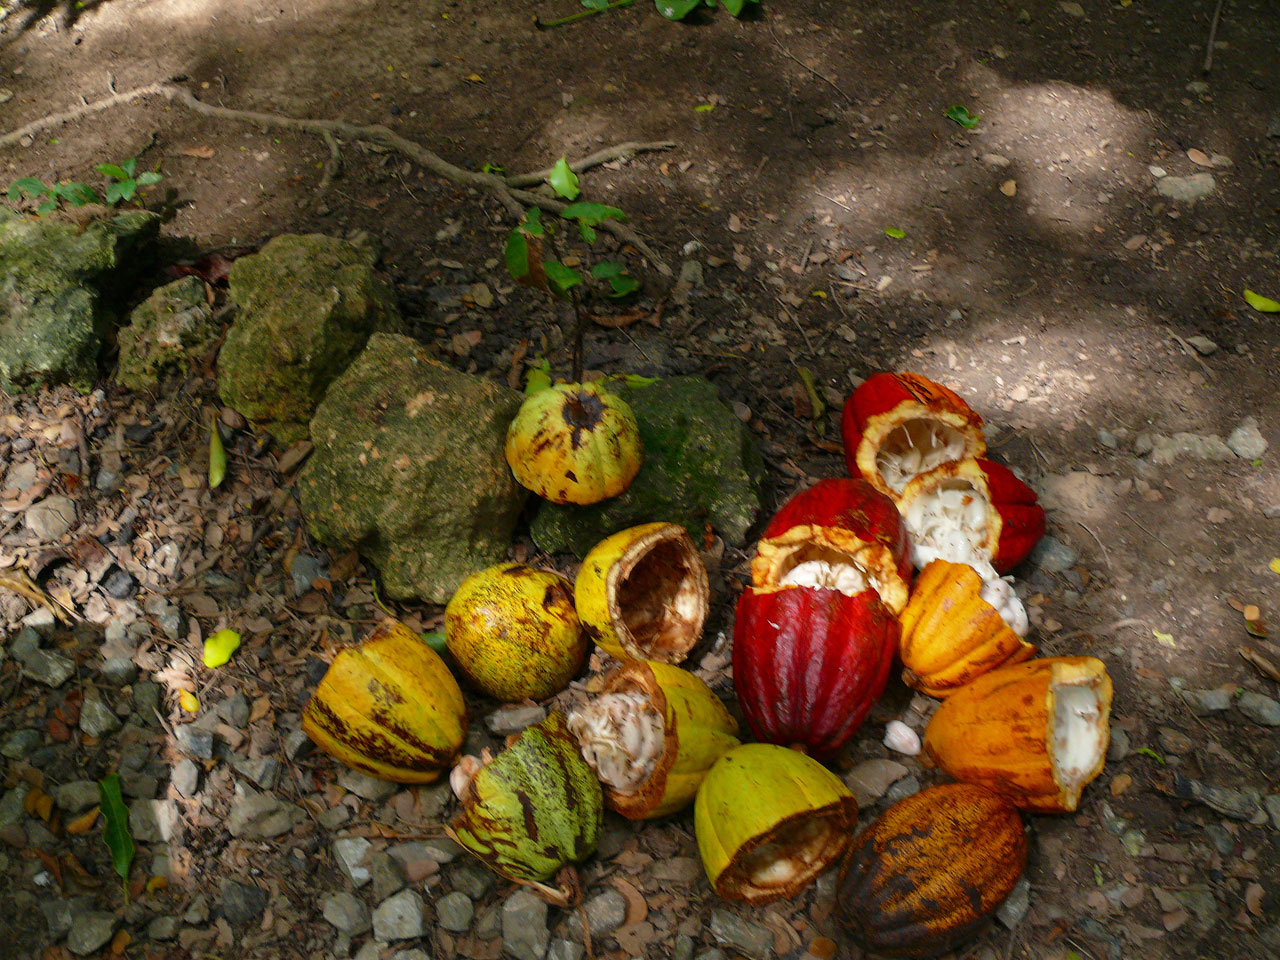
pixel 684 947
pixel 731 930
pixel 1119 746
pixel 414 859
pixel 120 671
pixel 185 778
pixel 196 741
pixel 61 284
pixel 25 643
pixel 566 950
pixel 606 912
pixel 366 787
pixel 297 745
pixel 241 902
pixel 350 853
pixel 524 926
pixel 1199 900
pixel 399 917
pixel 91 931
pixel 715 953
pixel 455 912
pixel 1164 450
pixel 11 809
pixel 51 518
pixel 869 780
pixel 21 476
pixel 306 307
pixel 387 471
pixel 260 816
pixel 906 787
pixel 1053 556
pixel 164 332
pixel 198 912
pixel 385 874
pixel 348 913
pixel 135 784
pixel 163 928
pixel 264 772
pixel 1247 441
pixel 1108 439
pixel 153 821
pixel 41 621
pixel 109 482
pixel 335 817
pixel 514 718
pixel 234 710
pixel 1271 802
pixel 1259 709
pixel 97 719
pixel 60 914
pixel 1174 741
pixel 1237 804
pixel 414 953
pixel 76 796
pixel 51 669
pixel 370 951
pixel 1015 906
pixel 146 700
pixel 700 466
pixel 305 569
pixel 1205 702
pixel 1187 189
pixel 19 744
pixel 1221 838
pixel 1203 346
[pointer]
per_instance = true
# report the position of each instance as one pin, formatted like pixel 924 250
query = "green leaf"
pixel 1265 304
pixel 677 9
pixel 436 640
pixel 560 278
pixel 493 168
pixel 563 180
pixel 47 207
pixel 115 829
pixel 596 4
pixel 77 194
pixel 130 166
pixel 217 456
pixel 539 377
pixel 592 213
pixel 219 648
pixel 30 186
pixel 532 226
pixel 623 284
pixel 1148 752
pixel 634 380
pixel 111 170
pixel 517 254
pixel 962 116
pixel 148 177
pixel 736 7
pixel 704 108
pixel 894 232
pixel 607 268
pixel 116 191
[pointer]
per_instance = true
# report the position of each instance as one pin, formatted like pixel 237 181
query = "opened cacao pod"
pixel 651 735
pixel 956 628
pixel 1036 732
pixel 931 871
pixel 642 593
pixel 972 511
pixel 769 820
pixel 809 663
pixel 389 708
pixel 898 425
pixel 840 533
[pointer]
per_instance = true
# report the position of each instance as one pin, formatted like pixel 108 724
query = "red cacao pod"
pixel 897 425
pixel 972 511
pixel 809 663
pixel 841 533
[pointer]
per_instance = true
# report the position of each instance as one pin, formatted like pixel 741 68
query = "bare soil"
pixel 1040 275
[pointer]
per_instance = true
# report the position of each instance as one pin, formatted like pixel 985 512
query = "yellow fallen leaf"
pixel 219 648
pixel 1165 638
pixel 83 823
pixel 475 78
pixel 1258 302
pixel 157 883
pixel 1251 612
pixel 1274 565
pixel 1009 187
pixel 188 701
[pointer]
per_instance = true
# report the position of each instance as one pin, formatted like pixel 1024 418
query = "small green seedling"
pixel 962 116
pixel 679 9
pixel 123 180
pixel 123 183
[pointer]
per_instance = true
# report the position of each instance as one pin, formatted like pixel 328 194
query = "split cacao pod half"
pixel 574 443
pixel 930 872
pixel 642 593
pixel 898 425
pixel 389 708
pixel 972 511
pixel 769 820
pixel 534 808
pixel 1036 732
pixel 841 533
pixel 810 663
pixel 651 734
pixel 956 628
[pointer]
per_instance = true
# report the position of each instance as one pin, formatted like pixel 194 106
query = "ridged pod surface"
pixel 950 634
pixel 931 870
pixel 769 820
pixel 809 663
pixel 534 808
pixel 389 707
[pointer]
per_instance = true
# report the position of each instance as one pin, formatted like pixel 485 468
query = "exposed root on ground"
pixel 510 191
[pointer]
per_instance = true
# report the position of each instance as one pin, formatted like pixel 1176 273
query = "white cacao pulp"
pixel 621 737
pixel 848 578
pixel 998 591
pixel 1079 733
pixel 915 446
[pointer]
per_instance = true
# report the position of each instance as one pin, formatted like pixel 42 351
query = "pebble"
pixel 305 569
pixel 195 741
pixel 242 903
pixel 1157 172
pixel 263 772
pixel 1053 556
pixel 51 669
pixel 1272 803
pixel 366 787
pixel 399 917
pixel 60 914
pixel 455 912
pixel 997 160
pixel 568 950
pixel 120 671
pixel 350 852
pixel 97 719
pixel 684 948
pixel 416 862
pixel 1174 741
pixel 234 710
pixel 11 809
pixel 524 926
pixel 1205 702
pixel 335 817
pixel 870 780
pixel 91 931
pixel 1246 441
pixel 386 876
pixel 146 700
pixel 185 778
pixel 731 930
pixel 606 912
pixel 297 745
pixel 715 953
pixel 51 518
pixel 473 879
pixel 370 951
pixel 76 796
pixel 1187 189
pixel 906 787
pixel 512 719
pixel 1016 904
pixel 415 953
pixel 1221 837
pixel 260 816
pixel 198 912
pixel 162 928
pixel 489 923
pixel 1108 439
pixel 1237 804
pixel 1259 709
pixel 20 743
pixel 21 476
pixel 1119 746
pixel 348 913
pixel 1203 345
pixel 153 821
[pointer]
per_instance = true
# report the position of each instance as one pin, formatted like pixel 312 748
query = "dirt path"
pixel 1047 270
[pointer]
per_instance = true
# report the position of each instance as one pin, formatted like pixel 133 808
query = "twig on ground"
pixel 1139 525
pixel 1106 558
pixel 619 151
pixel 331 166
pixel 1193 354
pixel 1101 629
pixel 1213 36
pixel 827 80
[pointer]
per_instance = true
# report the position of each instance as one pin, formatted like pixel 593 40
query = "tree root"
pixel 508 190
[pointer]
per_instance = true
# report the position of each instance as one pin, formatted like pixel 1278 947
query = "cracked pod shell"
pixel 769 820
pixel 697 731
pixel 891 415
pixel 1014 520
pixel 642 593
pixel 810 663
pixel 951 635
pixel 513 632
pixel 389 708
pixel 534 808
pixel 574 443
pixel 1036 732
pixel 841 520
pixel 931 870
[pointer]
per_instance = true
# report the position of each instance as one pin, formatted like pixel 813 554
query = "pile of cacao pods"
pixel 830 605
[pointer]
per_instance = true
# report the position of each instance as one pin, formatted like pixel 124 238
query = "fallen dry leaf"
pixel 1263 664
pixel 637 907
pixel 1134 242
pixel 1199 157
pixel 1120 784
pixel 83 823
pixel 1253 898
pixel 1172 921
pixel 202 152
pixel 1009 188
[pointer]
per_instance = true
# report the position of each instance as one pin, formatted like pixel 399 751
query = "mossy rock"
pixel 164 332
pixel 409 469
pixel 701 466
